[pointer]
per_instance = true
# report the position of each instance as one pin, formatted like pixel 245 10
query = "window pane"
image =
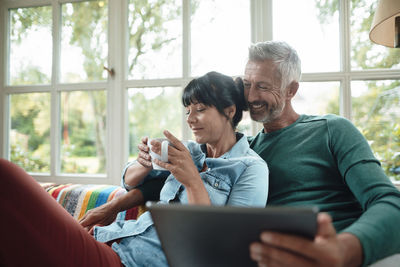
pixel 84 41
pixel 364 53
pixel 376 112
pixel 83 132
pixel 151 111
pixel 317 98
pixel 30 131
pixel 312 28
pixel 245 124
pixel 30 46
pixel 220 32
pixel 155 39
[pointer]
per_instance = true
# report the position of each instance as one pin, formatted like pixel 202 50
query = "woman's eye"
pixel 201 109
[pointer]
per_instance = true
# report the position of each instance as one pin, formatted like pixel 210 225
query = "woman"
pixel 219 168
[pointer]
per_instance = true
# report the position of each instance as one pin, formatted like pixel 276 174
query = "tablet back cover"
pixel 220 236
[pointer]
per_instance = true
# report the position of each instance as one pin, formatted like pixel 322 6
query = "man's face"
pixel 262 91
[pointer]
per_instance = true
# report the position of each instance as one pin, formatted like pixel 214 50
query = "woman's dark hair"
pixel 218 90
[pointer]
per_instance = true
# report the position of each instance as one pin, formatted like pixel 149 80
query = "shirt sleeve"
pixel 151 184
pixel 251 188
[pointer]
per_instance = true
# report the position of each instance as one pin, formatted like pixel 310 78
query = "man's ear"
pixel 230 111
pixel 292 90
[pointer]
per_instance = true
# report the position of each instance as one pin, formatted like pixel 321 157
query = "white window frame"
pixel 117 86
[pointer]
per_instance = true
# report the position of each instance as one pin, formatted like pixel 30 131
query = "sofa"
pixel 77 199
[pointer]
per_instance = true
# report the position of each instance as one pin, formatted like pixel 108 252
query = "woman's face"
pixel 207 124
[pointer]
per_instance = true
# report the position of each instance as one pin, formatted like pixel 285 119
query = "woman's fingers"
pixel 144 140
pixel 145 163
pixel 175 142
pixel 164 165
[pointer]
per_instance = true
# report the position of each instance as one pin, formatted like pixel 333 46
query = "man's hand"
pixel 327 249
pixel 103 215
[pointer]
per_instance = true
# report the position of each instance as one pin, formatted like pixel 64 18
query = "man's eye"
pixel 246 85
pixel 201 109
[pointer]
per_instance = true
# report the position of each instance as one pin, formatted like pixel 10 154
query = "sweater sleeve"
pixel 377 227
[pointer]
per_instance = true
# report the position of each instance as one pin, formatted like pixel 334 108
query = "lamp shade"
pixel 383 30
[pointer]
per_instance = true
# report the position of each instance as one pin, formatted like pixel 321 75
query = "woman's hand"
pixel 182 167
pixel 144 157
pixel 102 215
pixel 137 172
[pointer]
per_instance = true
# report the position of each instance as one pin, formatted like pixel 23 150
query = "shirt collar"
pixel 237 150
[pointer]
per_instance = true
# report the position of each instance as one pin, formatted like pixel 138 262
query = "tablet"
pixel 193 235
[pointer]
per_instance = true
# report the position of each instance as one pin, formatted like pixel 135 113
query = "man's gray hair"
pixel 282 55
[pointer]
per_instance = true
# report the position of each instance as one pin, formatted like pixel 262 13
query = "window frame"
pixel 117 86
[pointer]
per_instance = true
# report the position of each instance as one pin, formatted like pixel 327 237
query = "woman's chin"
pixel 199 140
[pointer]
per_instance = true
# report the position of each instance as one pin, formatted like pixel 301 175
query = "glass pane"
pixel 30 46
pixel 84 47
pixel 312 28
pixel 220 36
pixel 155 39
pixel 83 132
pixel 364 53
pixel 30 131
pixel 317 98
pixel 245 124
pixel 376 112
pixel 151 111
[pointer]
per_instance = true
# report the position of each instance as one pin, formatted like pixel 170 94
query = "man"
pixel 314 160
pixel 317 160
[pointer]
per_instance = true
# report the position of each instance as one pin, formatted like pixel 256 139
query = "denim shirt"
pixel 239 177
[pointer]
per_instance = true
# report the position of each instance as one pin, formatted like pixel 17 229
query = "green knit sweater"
pixel 326 161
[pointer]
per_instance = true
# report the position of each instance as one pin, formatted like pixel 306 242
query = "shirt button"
pixel 216 184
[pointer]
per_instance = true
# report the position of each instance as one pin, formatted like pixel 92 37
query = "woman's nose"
pixel 190 118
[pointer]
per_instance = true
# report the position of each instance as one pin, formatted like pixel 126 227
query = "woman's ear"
pixel 292 90
pixel 230 111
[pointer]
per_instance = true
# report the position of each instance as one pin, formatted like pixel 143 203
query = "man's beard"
pixel 269 115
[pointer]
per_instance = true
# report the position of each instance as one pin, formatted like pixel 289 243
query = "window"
pixel 30 131
pixel 56 87
pixel 153 106
pixel 313 34
pixel 155 39
pixel 358 83
pixel 81 82
pixel 317 98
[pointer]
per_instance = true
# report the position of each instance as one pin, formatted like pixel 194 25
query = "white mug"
pixel 164 152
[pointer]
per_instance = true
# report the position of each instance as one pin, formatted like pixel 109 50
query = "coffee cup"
pixel 164 152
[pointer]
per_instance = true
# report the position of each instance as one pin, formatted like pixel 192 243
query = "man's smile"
pixel 257 106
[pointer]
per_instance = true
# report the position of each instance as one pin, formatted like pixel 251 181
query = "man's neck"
pixel 287 117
